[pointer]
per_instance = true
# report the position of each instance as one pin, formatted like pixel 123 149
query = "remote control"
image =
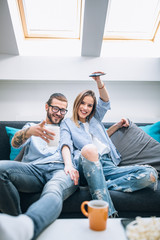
pixel 97 74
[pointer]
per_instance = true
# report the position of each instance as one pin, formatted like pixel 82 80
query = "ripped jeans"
pixel 49 178
pixel 104 175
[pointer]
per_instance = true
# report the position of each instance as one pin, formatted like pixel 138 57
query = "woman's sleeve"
pixel 101 109
pixel 65 136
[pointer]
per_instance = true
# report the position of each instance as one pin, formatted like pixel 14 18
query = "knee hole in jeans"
pixel 152 177
pixel 90 152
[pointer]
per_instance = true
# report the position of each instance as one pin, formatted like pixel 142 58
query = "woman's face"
pixel 85 108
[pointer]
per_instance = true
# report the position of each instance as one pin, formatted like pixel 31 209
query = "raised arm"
pixel 123 123
pixel 102 89
pixel 38 130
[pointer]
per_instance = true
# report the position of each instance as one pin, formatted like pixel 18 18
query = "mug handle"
pixel 83 208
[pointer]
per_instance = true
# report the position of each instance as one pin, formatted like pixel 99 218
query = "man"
pixel 41 169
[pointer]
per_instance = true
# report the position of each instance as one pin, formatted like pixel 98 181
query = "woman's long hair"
pixel 78 102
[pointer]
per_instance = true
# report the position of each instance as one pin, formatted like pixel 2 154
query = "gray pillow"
pixel 136 147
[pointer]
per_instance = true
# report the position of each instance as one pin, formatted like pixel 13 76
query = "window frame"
pixel 153 33
pixel 48 36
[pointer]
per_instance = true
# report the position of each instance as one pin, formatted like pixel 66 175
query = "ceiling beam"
pixel 93 27
pixel 8 43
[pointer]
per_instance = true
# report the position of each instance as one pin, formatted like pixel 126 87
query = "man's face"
pixel 52 116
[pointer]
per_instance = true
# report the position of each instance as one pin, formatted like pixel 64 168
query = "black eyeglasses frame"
pixel 58 109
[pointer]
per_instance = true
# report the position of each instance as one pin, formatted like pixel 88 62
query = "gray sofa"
pixel 143 203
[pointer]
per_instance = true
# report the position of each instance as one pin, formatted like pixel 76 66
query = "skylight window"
pixel 50 18
pixel 132 19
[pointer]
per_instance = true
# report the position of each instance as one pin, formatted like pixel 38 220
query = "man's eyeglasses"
pixel 56 109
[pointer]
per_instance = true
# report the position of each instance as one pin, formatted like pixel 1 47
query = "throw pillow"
pixel 14 151
pixel 136 147
pixel 153 130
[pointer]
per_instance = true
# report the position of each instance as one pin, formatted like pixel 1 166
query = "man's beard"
pixel 50 118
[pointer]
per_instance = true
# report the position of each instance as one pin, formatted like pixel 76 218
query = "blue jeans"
pixel 50 179
pixel 104 175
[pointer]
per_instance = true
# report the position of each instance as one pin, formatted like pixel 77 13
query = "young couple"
pixel 84 146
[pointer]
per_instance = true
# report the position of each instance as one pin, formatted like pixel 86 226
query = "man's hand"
pixel 39 130
pixel 74 174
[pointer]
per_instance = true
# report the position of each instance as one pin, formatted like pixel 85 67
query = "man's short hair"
pixel 58 96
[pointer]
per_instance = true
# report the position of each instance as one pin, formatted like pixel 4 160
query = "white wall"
pixel 133 73
pixel 27 81
pixel 78 68
pixel 25 100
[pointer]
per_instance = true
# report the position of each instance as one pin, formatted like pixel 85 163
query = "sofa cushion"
pixel 136 147
pixel 153 130
pixel 4 139
pixel 14 151
pixel 145 202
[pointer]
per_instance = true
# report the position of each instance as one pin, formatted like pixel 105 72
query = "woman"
pixel 84 142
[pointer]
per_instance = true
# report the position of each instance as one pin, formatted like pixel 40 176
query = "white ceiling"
pixel 12 40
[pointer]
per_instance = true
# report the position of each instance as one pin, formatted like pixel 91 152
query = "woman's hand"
pixel 97 79
pixel 123 123
pixel 74 174
pixel 101 87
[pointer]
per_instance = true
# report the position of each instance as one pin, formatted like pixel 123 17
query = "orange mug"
pixel 97 214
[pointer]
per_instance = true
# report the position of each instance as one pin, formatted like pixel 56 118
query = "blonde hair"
pixel 78 102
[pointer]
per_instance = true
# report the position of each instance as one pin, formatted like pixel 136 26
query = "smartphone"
pixel 125 222
pixel 97 74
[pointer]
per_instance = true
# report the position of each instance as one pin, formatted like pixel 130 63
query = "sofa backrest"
pixel 4 140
